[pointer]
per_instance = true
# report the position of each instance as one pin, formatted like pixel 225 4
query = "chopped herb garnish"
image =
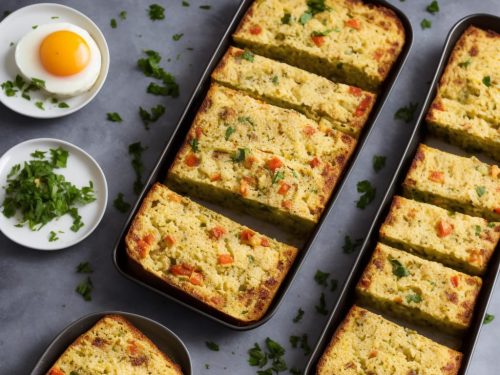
pixel 368 193
pixel 406 113
pixel 149 66
pixel 229 131
pixel 114 117
pixel 123 15
pixel 314 7
pixel 464 64
pixel 63 105
pixel 212 346
pixel 491 225
pixel 488 318
pixel 350 246
pixel 480 190
pixel 487 81
pixel 135 150
pixel 113 23
pixel 378 162
pixel 85 289
pixel 295 371
pixel 299 316
pixel 321 308
pixel 40 105
pixel 294 341
pixel 333 285
pixel 275 80
pixel 417 298
pixel 247 55
pixel 194 144
pixel 287 17
pixel 54 17
pixel 185 4
pixel 205 7
pixel 38 154
pixel 321 277
pixel 120 204
pixel 425 24
pixel 34 27
pixel 275 352
pixel 240 155
pixel 8 88
pixel 40 194
pixel 53 236
pixel 77 220
pixel 156 12
pixel 257 357
pixel 84 267
pixel 433 7
pixel 322 33
pixel 305 17
pixel 398 269
pixel 278 175
pixel 177 37
pixel 246 119
pixel 152 116
pixel 37 83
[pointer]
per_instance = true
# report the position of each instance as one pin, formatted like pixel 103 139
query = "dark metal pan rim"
pixel 191 107
pixel 483 20
pixel 69 333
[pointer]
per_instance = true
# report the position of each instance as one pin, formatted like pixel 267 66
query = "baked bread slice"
pixel 333 105
pixel 205 257
pixel 454 182
pixel 344 40
pixel 366 343
pixel 113 346
pixel 466 109
pixel 454 239
pixel 419 290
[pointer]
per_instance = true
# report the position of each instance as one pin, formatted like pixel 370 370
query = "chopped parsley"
pixel 212 346
pixel 274 352
pixel 38 154
pixel 464 64
pixel 205 7
pixel 34 27
pixel 113 23
pixel 417 298
pixel 62 105
pixel 120 204
pixel 194 144
pixel 185 4
pixel 152 116
pixel 433 7
pixel 487 81
pixel 257 357
pixel 149 66
pixel 480 190
pixel 247 55
pixel 278 175
pixel 406 113
pixel 295 341
pixel 84 267
pixel 425 24
pixel 53 236
pixel 240 155
pixel 113 117
pixel 296 371
pixel 323 33
pixel 287 17
pixel 156 12
pixel 313 7
pixel 488 318
pixel 275 80
pixel 478 230
pixel 85 289
pixel 123 15
pixel 350 246
pixel 41 195
pixel 299 316
pixel 39 104
pixel 135 150
pixel 37 83
pixel 321 307
pixel 230 130
pixel 321 278
pixel 177 37
pixel 378 162
pixel 368 193
pixel 246 119
pixel 8 88
pixel 398 269
pixel 305 17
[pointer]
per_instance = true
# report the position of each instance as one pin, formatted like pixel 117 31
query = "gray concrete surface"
pixel 37 297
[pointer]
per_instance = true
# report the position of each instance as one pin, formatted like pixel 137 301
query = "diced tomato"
pixel 363 106
pixel 149 238
pixel 56 371
pixel 319 40
pixel 198 132
pixel 286 204
pixel 314 162
pixel 132 347
pixel 497 210
pixel 255 30
pixel 379 52
pixel 356 91
pixel 274 164
pixel 436 176
pixel 309 130
pixel 355 24
pixel 192 160
pixel 265 242
pixel 444 228
pixel 246 235
pixel 373 354
pixel 454 281
pixel 196 278
pixel 249 162
pixel 284 188
pixel 217 232
pixel 225 259
pixel 170 241
pixel 181 270
pixel 215 177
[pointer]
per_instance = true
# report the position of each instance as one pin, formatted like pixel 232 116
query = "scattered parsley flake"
pixel 152 116
pixel 113 23
pixel 212 346
pixel 321 308
pixel 34 27
pixel 378 162
pixel 417 298
pixel 205 7
pixel 425 24
pixel 185 4
pixel 177 37
pixel 247 55
pixel 156 12
pixel 406 113
pixel 37 154
pixel 350 246
pixel 488 318
pixel 120 204
pixel 114 117
pixel 464 64
pixel 85 289
pixel 398 269
pixel 53 236
pixel 240 155
pixel 299 316
pixel 149 66
pixel 230 130
pixel 368 194
pixel 84 267
pixel 123 15
pixel 63 105
pixel 194 144
pixel 135 150
pixel 433 7
pixel 40 105
pixel 480 190
pixel 278 176
pixel 275 80
pixel 487 81
pixel 54 17
pixel 321 277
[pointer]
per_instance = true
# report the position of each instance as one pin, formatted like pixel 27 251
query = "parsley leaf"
pixel 487 81
pixel 53 236
pixel 212 346
pixel 230 130
pixel 177 37
pixel 464 64
pixel 321 308
pixel 156 12
pixel 488 318
pixel 257 357
pixel 368 194
pixel 278 175
pixel 205 7
pixel 350 246
pixel 63 105
pixel 152 116
pixel 194 144
pixel 39 104
pixel 425 24
pixel 378 162
pixel 113 117
pixel 285 20
pixel 321 277
pixel 150 67
pixel 185 4
pixel 85 289
pixel 240 155
pixel 417 298
pixel 398 269
pixel 120 204
pixel 135 150
pixel 123 15
pixel 406 113
pixel 113 23
pixel 299 316
pixel 84 267
pixel 247 55
pixel 433 7
pixel 480 190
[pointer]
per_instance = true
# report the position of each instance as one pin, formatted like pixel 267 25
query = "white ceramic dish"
pixel 81 168
pixel 20 22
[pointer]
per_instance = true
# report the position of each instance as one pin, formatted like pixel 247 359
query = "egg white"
pixel 29 64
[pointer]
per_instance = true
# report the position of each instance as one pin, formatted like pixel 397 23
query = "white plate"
pixel 20 22
pixel 81 168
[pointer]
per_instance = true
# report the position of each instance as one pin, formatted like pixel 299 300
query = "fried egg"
pixel 62 55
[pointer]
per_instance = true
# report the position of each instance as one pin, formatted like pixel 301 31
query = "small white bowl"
pixel 20 22
pixel 81 168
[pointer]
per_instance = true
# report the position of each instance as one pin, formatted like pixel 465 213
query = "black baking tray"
pixel 168 154
pixel 164 339
pixel 347 297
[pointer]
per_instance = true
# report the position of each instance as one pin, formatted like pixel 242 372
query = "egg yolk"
pixel 64 53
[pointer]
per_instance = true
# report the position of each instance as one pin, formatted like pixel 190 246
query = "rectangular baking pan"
pixel 168 154
pixel 347 297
